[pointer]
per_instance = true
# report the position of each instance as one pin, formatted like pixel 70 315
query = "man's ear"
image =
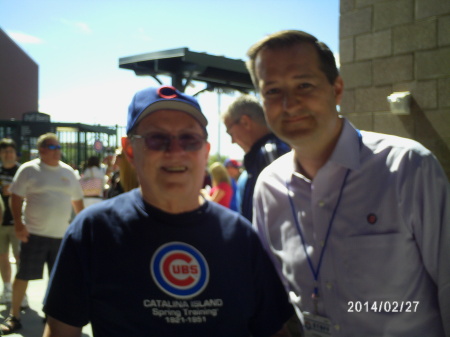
pixel 245 121
pixel 338 89
pixel 208 149
pixel 127 148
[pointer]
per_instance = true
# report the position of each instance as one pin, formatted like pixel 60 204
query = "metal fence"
pixel 78 141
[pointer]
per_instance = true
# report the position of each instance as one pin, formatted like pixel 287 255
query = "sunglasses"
pixel 53 147
pixel 159 141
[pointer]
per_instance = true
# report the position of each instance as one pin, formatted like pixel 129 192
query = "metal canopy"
pixel 181 64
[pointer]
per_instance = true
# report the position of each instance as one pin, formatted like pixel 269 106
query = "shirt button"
pixel 321 203
pixel 329 285
pixel 337 327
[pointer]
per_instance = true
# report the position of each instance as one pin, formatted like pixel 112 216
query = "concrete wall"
pixel 18 80
pixel 398 45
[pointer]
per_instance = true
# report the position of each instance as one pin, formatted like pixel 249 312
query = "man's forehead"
pixel 50 142
pixel 294 50
pixel 228 120
pixel 300 59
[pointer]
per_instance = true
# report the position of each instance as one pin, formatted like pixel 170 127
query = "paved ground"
pixel 32 318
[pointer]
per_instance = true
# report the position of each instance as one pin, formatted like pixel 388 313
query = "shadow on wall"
pixel 425 132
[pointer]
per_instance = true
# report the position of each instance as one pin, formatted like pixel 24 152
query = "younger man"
pixel 8 239
pixel 357 222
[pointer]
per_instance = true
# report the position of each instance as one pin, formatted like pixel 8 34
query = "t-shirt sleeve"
pixel 67 294
pixel 77 191
pixel 19 184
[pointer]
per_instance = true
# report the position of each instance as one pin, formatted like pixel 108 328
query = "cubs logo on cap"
pixel 167 92
pixel 179 270
pixel 163 98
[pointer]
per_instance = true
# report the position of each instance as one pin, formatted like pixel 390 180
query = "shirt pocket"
pixel 378 267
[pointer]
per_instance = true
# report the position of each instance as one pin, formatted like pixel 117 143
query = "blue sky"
pixel 77 45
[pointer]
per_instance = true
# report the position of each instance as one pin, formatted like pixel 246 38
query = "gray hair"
pixel 245 105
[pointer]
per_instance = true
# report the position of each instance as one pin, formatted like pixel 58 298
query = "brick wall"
pixel 18 80
pixel 398 45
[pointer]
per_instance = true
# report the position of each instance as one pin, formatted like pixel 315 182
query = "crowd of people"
pixel 319 230
pixel 39 199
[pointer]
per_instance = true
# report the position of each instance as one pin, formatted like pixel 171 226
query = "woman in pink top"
pixel 221 191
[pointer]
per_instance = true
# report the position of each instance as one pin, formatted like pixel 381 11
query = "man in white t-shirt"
pixel 48 189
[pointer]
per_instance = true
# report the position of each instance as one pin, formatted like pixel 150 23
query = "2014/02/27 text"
pixel 382 306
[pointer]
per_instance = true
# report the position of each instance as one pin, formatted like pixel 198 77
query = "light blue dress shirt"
pixel 389 243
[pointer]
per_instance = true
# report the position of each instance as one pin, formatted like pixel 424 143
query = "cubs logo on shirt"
pixel 179 270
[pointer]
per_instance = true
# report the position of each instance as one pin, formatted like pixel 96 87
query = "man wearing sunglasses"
pixel 50 189
pixel 160 260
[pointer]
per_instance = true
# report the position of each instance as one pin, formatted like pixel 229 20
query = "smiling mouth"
pixel 298 117
pixel 175 169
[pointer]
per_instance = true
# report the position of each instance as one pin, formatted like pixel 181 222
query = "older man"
pixel 160 260
pixel 357 222
pixel 245 123
pixel 51 189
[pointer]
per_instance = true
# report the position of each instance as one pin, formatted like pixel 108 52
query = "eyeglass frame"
pixel 236 121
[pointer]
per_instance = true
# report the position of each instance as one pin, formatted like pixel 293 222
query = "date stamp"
pixel 382 306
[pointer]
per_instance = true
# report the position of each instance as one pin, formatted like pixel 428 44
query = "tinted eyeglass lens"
pixel 54 147
pixel 157 141
pixel 190 142
pixel 162 142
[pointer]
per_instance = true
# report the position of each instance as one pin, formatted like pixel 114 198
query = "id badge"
pixel 316 326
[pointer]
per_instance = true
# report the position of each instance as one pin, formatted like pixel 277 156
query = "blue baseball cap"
pixel 153 99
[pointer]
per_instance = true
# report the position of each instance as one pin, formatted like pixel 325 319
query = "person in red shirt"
pixel 221 191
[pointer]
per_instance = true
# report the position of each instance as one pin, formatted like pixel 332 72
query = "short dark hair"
pixel 7 142
pixel 93 161
pixel 289 38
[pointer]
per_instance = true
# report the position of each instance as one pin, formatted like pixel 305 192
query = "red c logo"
pixel 167 272
pixel 170 92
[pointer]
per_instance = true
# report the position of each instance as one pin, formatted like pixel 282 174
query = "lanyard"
pixel 315 272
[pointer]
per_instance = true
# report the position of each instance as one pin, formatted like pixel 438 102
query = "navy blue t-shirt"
pixel 133 270
pixel 261 154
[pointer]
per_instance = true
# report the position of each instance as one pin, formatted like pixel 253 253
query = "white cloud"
pixel 142 35
pixel 24 38
pixel 81 27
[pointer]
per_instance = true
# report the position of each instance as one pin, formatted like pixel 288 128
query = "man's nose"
pixel 175 146
pixel 290 102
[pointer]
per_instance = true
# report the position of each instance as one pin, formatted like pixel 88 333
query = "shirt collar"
pixel 346 152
